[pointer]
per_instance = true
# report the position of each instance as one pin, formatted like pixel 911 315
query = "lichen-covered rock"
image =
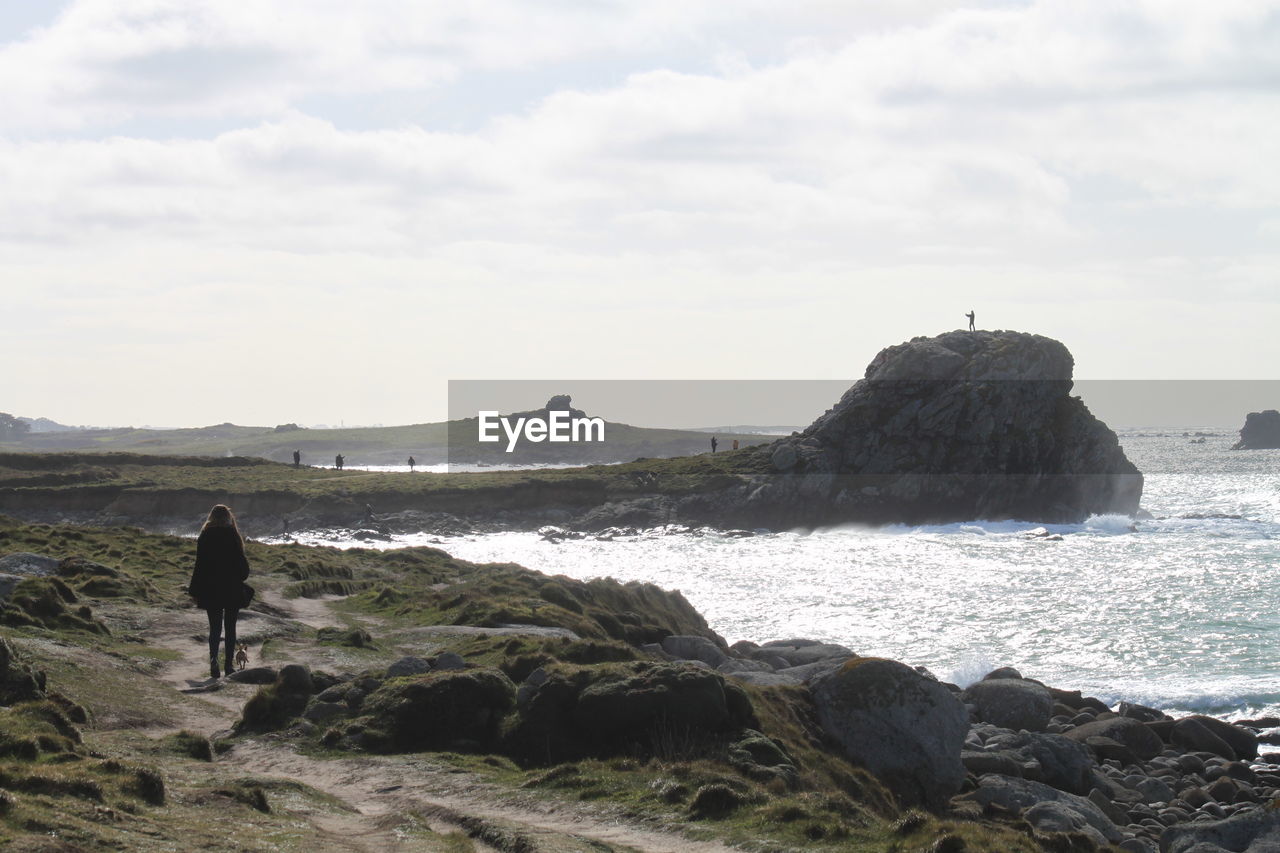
pixel 437 710
pixel 1011 703
pixel 906 729
pixel 26 564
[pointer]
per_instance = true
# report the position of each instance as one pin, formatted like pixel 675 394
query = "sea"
pixel 1176 609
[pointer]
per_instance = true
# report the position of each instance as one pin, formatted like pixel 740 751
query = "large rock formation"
pixel 1261 431
pixel 906 729
pixel 966 425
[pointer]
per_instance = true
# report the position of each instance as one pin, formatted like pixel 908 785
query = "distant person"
pixel 411 464
pixel 218 582
pixel 297 458
pixel 970 315
pixel 337 462
pixel 714 443
pixel 735 444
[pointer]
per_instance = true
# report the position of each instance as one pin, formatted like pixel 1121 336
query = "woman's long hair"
pixel 220 516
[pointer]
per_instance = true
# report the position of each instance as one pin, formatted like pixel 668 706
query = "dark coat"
pixel 221 569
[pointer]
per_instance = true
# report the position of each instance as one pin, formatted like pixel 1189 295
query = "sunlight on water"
pixel 1176 611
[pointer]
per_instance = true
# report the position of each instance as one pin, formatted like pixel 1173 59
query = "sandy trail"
pixel 380 790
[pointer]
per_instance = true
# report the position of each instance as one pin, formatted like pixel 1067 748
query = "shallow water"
pixel 1176 612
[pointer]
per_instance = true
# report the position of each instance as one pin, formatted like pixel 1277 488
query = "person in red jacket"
pixel 217 583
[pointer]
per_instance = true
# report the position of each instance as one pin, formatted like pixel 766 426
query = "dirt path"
pixel 382 790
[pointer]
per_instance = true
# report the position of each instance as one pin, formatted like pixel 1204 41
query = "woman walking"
pixel 217 584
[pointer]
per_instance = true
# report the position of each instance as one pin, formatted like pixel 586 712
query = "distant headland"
pixel 960 426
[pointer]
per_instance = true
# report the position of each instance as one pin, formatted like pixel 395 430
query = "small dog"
pixel 242 656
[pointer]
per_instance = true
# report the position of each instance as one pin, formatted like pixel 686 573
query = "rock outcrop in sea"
pixel 961 426
pixel 1261 431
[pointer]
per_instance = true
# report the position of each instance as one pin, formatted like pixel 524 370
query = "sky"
pixel 321 212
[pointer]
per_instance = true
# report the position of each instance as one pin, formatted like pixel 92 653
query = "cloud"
pixel 837 172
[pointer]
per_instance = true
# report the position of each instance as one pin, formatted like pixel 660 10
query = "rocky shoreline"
pixel 1004 748
pixel 551 674
pixel 1131 776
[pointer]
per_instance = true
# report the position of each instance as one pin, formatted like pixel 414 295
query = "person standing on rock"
pixel 713 444
pixel 971 315
pixel 411 464
pixel 218 582
pixel 297 458
pixel 337 462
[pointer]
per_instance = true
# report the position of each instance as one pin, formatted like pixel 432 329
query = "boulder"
pixel 1261 431
pixel 808 672
pixel 1255 831
pixel 1001 761
pixel 1109 749
pixel 1061 817
pixel 1022 795
pixel 634 708
pixel 323 712
pixel 1133 734
pixel 1064 763
pixel 449 660
pixel 905 728
pixel 812 653
pixel 254 675
pixel 1141 713
pixel 275 704
pixel 1192 735
pixel 679 696
pixel 1011 703
pixel 762 758
pixel 28 564
pixel 1242 741
pixel 766 679
pixel 1155 791
pixel 959 426
pixel 439 709
pixel 1074 699
pixel 408 665
pixel 735 665
pixel 683 647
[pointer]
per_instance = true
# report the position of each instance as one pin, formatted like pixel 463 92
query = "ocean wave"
pixel 1106 525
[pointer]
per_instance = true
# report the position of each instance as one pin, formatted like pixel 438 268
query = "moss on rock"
pixel 437 710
